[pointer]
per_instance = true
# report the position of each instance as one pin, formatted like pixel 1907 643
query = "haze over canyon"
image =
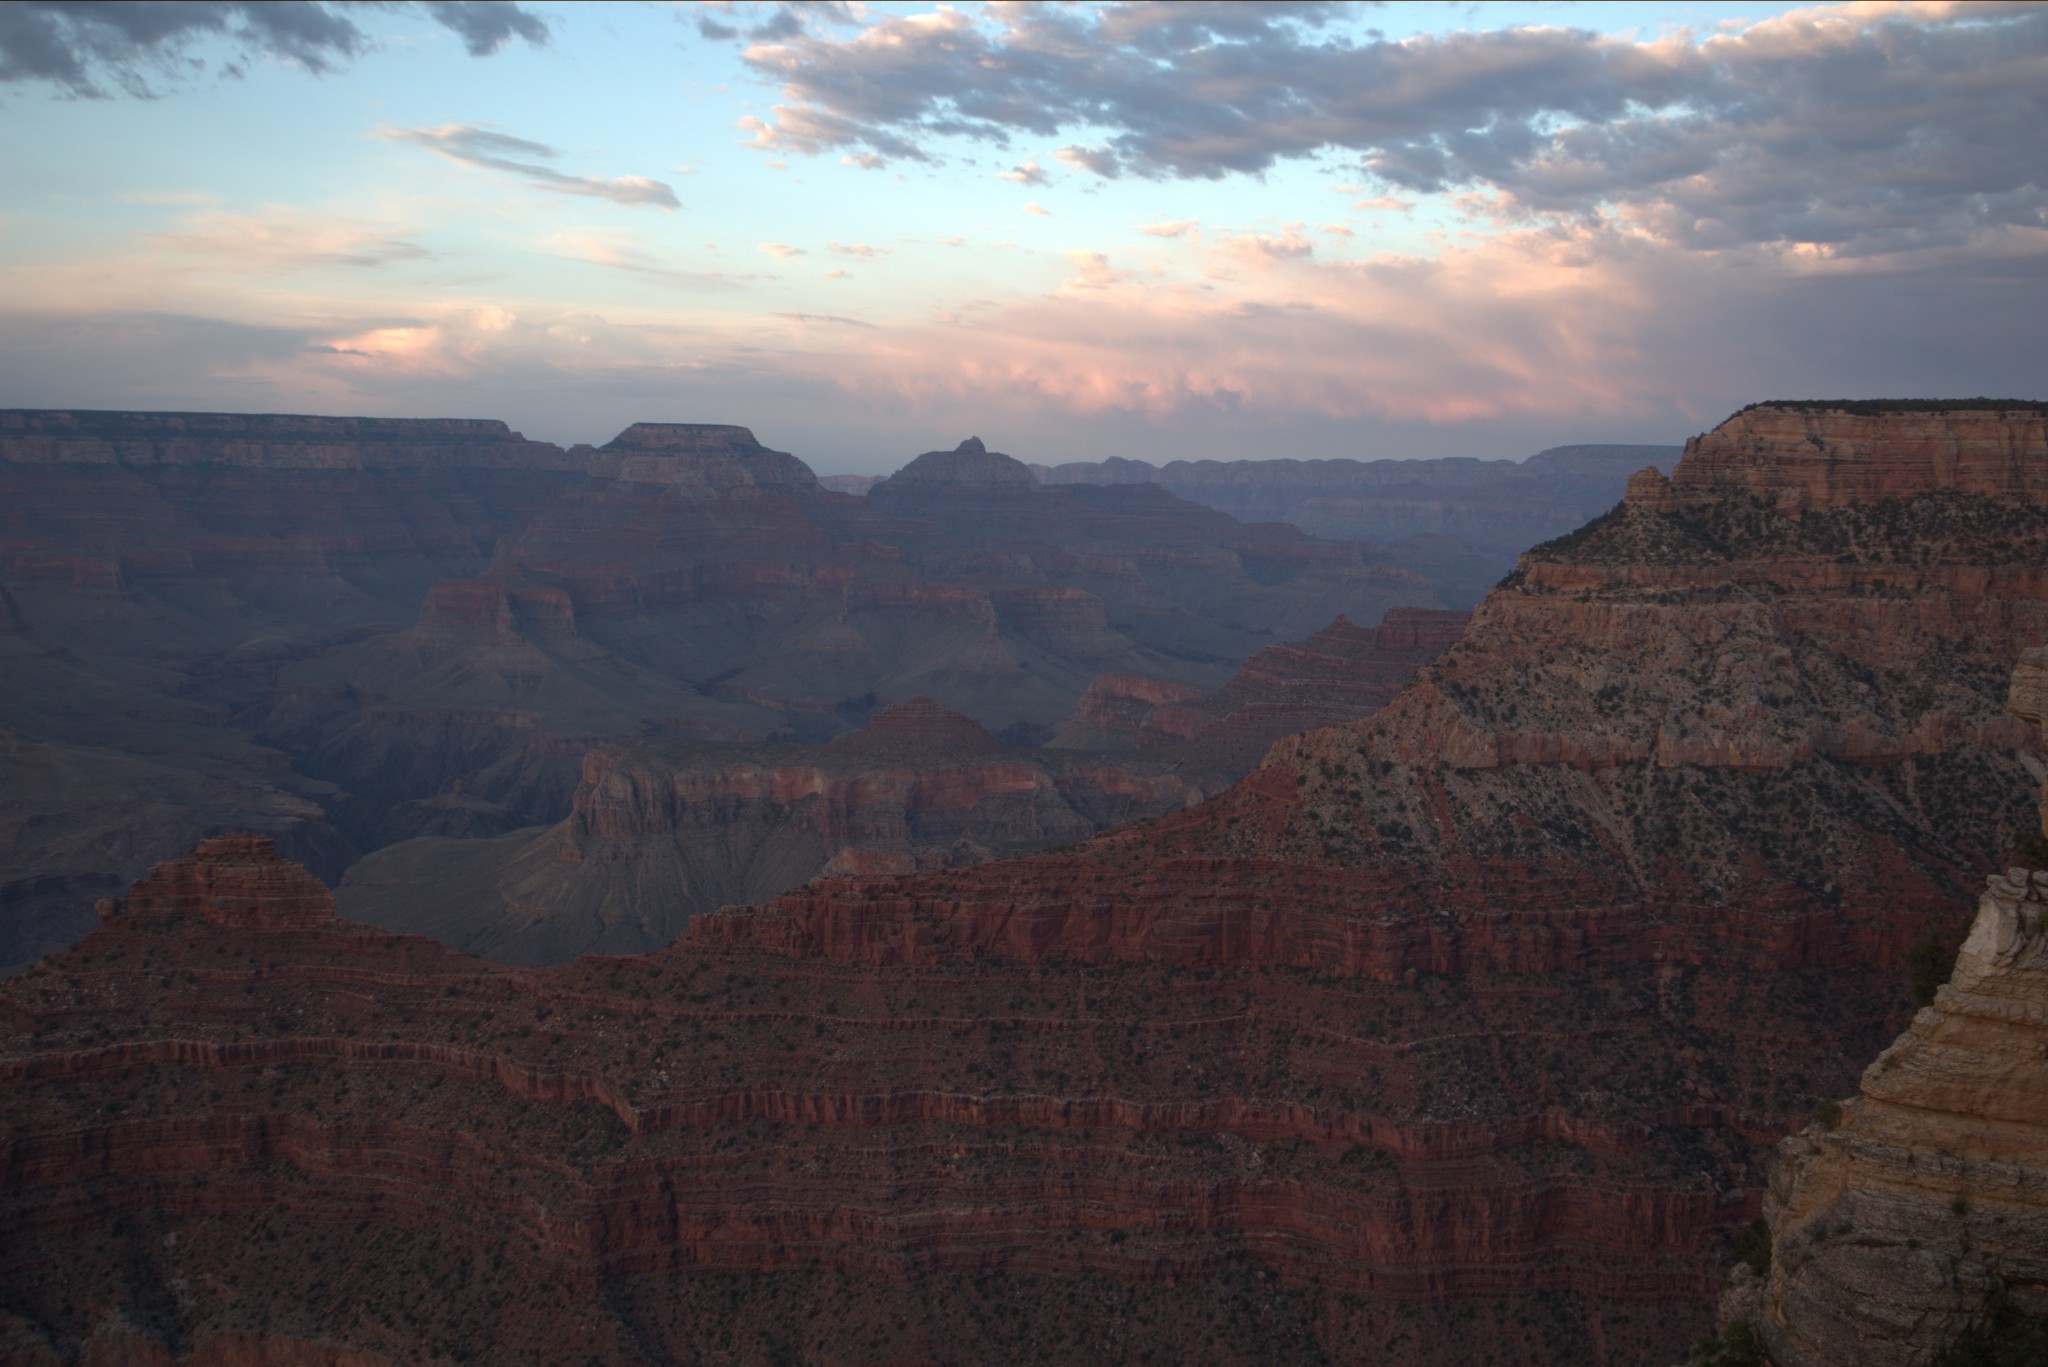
pixel 861 684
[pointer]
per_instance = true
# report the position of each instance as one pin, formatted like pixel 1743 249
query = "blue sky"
pixel 1078 231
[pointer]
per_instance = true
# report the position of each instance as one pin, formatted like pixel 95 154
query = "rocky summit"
pixel 1460 1033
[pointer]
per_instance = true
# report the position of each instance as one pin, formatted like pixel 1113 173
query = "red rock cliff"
pixel 1818 457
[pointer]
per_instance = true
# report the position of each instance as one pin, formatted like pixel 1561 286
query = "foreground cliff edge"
pixel 1910 1225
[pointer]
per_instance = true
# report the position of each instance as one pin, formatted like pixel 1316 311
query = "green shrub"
pixel 1930 959
pixel 1739 1348
pixel 1753 1246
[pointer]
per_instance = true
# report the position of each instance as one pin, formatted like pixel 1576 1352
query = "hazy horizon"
pixel 1157 232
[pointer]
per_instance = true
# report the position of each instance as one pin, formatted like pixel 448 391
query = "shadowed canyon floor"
pixel 1456 1035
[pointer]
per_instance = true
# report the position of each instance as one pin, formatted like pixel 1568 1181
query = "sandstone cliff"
pixel 228 1118
pixel 1818 457
pixel 1913 1219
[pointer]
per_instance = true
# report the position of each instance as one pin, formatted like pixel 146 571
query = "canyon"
pixel 660 831
pixel 1462 1032
pixel 347 632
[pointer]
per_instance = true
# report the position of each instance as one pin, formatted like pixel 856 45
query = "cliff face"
pixel 1725 756
pixel 1803 458
pixel 1912 1215
pixel 227 1114
pixel 661 832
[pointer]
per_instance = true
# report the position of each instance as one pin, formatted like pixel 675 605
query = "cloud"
pixel 1570 332
pixel 1872 127
pixel 1289 244
pixel 623 254
pixel 860 249
pixel 1099 160
pixel 474 146
pixel 284 238
pixel 1179 227
pixel 780 250
pixel 81 48
pixel 1092 271
pixel 1030 173
pixel 1037 210
pixel 783 21
pixel 866 161
pixel 837 274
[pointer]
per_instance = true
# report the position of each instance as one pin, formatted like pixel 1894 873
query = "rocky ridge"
pixel 660 832
pixel 1914 1217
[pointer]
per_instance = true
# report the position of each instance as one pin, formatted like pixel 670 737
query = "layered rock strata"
pixel 349 631
pixel 1461 1032
pixel 1342 673
pixel 660 832
pixel 1915 1216
pixel 229 1118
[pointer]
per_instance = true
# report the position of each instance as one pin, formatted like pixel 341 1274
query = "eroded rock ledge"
pixel 1904 1218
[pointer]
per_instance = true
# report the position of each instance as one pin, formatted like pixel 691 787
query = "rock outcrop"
pixel 1914 1217
pixel 660 832
pixel 1820 456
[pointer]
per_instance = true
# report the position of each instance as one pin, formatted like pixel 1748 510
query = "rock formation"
pixel 1818 457
pixel 661 831
pixel 1914 1217
pixel 347 631
pixel 241 1123
pixel 1454 1034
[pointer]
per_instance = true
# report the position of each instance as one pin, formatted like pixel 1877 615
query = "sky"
pixel 1076 230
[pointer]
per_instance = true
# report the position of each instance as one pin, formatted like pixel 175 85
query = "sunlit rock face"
pixel 1916 1213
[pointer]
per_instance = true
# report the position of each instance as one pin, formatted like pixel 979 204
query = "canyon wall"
pixel 1911 1221
pixel 1463 1031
